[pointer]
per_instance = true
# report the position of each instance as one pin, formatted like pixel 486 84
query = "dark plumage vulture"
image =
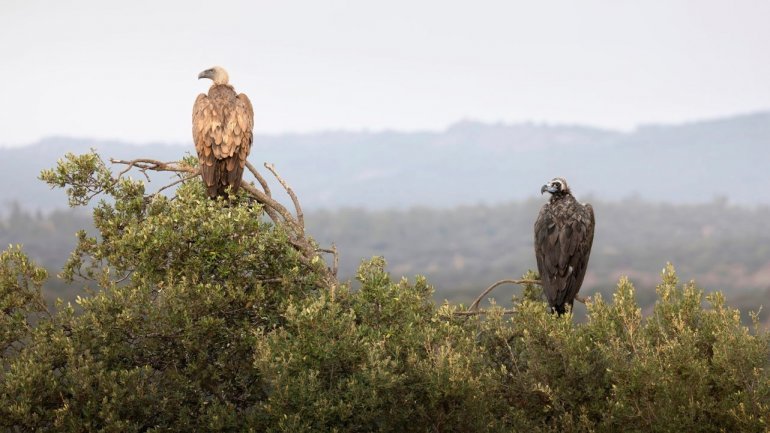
pixel 564 232
pixel 222 123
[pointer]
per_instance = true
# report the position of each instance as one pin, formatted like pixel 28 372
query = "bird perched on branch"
pixel 222 131
pixel 564 233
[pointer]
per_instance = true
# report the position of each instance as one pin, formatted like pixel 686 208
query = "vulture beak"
pixel 547 187
pixel 543 189
pixel 204 74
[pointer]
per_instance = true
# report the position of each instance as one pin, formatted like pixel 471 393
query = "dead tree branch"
pixel 475 304
pixel 474 307
pixel 180 180
pixel 297 207
pixel 482 312
pixel 333 251
pixel 144 164
pixel 259 177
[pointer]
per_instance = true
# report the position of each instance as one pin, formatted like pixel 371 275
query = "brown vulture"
pixel 222 123
pixel 564 232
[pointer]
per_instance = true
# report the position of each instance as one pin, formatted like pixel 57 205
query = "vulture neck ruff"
pixel 221 89
pixel 559 196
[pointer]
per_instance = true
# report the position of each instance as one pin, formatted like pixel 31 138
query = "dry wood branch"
pixel 286 217
pixel 481 312
pixel 181 180
pixel 297 207
pixel 259 177
pixel 124 277
pixel 336 260
pixel 475 304
pixel 333 251
pixel 270 280
pixel 144 164
pixel 477 301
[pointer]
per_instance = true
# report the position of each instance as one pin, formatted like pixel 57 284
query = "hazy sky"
pixel 128 69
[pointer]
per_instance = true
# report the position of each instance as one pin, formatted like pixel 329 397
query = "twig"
pixel 270 280
pixel 297 207
pixel 336 256
pixel 259 177
pixel 336 260
pixel 123 278
pixel 181 180
pixel 144 164
pixel 475 304
pixel 480 312
pixel 269 202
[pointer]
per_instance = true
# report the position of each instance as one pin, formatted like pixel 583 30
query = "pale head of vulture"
pixel 217 74
pixel 556 187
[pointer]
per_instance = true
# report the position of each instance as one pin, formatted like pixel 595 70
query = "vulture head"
pixel 217 74
pixel 557 186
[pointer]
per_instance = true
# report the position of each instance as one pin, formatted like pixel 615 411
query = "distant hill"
pixel 470 163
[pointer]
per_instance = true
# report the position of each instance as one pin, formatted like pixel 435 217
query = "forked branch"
pixel 482 312
pixel 336 257
pixel 477 301
pixel 297 207
pixel 474 307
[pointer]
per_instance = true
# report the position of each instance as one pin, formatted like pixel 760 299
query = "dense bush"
pixel 201 317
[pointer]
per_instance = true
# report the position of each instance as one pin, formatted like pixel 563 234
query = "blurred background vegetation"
pixel 462 250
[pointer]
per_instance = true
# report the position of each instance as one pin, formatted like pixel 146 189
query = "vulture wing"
pixel 204 127
pixel 583 240
pixel 243 123
pixel 222 131
pixel 562 248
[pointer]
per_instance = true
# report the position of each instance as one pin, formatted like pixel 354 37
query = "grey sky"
pixel 128 69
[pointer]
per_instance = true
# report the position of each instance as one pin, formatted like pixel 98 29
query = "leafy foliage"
pixel 218 326
pixel 20 298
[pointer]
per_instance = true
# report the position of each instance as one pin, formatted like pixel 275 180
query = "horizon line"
pixel 388 130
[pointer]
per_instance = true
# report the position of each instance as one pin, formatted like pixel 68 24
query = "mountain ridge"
pixel 469 162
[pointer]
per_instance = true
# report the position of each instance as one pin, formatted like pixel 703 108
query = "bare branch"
pixel 336 261
pixel 270 280
pixel 275 208
pixel 477 301
pixel 297 207
pixel 259 177
pixel 475 304
pixel 181 180
pixel 123 278
pixel 144 164
pixel 481 312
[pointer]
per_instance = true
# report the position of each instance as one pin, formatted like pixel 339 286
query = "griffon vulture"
pixel 564 232
pixel 222 123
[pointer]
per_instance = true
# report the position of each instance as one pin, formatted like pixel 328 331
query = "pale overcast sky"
pixel 128 70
